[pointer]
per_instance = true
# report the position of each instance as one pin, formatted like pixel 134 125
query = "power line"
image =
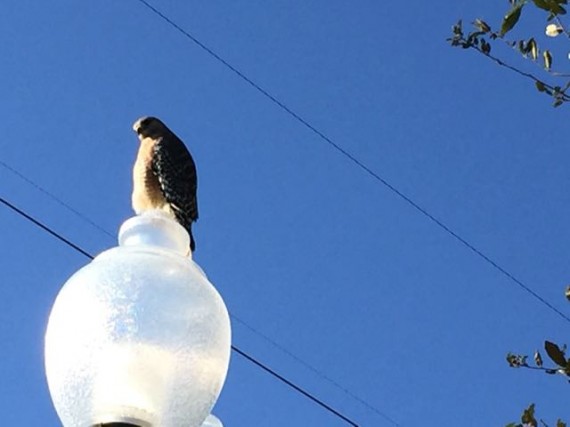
pixel 46 228
pixel 317 372
pixel 268 339
pixel 242 353
pixel 295 387
pixel 54 197
pixel 355 160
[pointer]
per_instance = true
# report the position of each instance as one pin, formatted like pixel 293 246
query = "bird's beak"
pixel 137 126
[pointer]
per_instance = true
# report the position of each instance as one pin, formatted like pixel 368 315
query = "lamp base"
pixel 121 422
pixel 117 425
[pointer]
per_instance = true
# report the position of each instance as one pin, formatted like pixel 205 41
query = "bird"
pixel 164 175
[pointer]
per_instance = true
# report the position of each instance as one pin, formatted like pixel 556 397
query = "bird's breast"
pixel 147 193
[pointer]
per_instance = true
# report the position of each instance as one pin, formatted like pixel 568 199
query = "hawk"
pixel 164 174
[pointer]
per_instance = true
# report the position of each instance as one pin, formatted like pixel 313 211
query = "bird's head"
pixel 148 127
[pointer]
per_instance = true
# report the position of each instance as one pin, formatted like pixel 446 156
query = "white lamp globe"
pixel 139 336
pixel 212 421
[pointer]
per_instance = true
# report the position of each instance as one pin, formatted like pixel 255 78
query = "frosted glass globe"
pixel 212 421
pixel 139 335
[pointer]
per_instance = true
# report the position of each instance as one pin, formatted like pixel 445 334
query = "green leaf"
pixel 551 6
pixel 545 4
pixel 485 47
pixel 542 4
pixel 458 28
pixel 541 88
pixel 537 356
pixel 516 360
pixel 511 359
pixel 555 353
pixel 511 18
pixel 528 416
pixel 560 423
pixel 482 25
pixel 532 48
pixel 547 59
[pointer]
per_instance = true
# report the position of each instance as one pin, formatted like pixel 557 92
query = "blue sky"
pixel 305 248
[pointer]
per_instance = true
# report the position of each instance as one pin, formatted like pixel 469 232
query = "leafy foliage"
pixel 553 351
pixel 556 354
pixel 528 416
pixel 554 7
pixel 511 18
pixel 528 419
pixel 483 37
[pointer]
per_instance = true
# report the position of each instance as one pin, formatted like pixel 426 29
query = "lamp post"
pixel 139 336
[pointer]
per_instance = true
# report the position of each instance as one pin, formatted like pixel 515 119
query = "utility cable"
pixel 355 161
pixel 265 337
pixel 294 386
pixel 242 353
pixel 55 198
pixel 46 228
pixel 318 373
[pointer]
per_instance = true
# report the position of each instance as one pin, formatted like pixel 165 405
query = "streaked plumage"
pixel 164 174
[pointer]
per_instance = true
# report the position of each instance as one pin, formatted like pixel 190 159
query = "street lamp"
pixel 139 336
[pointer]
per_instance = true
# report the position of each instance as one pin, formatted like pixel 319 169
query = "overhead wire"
pixel 294 386
pixel 325 377
pixel 265 337
pixel 236 349
pixel 46 228
pixel 54 197
pixel 358 163
pixel 343 152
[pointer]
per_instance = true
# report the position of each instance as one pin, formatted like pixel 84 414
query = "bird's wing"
pixel 176 172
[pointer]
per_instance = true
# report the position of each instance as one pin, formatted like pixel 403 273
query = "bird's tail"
pixel 192 241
